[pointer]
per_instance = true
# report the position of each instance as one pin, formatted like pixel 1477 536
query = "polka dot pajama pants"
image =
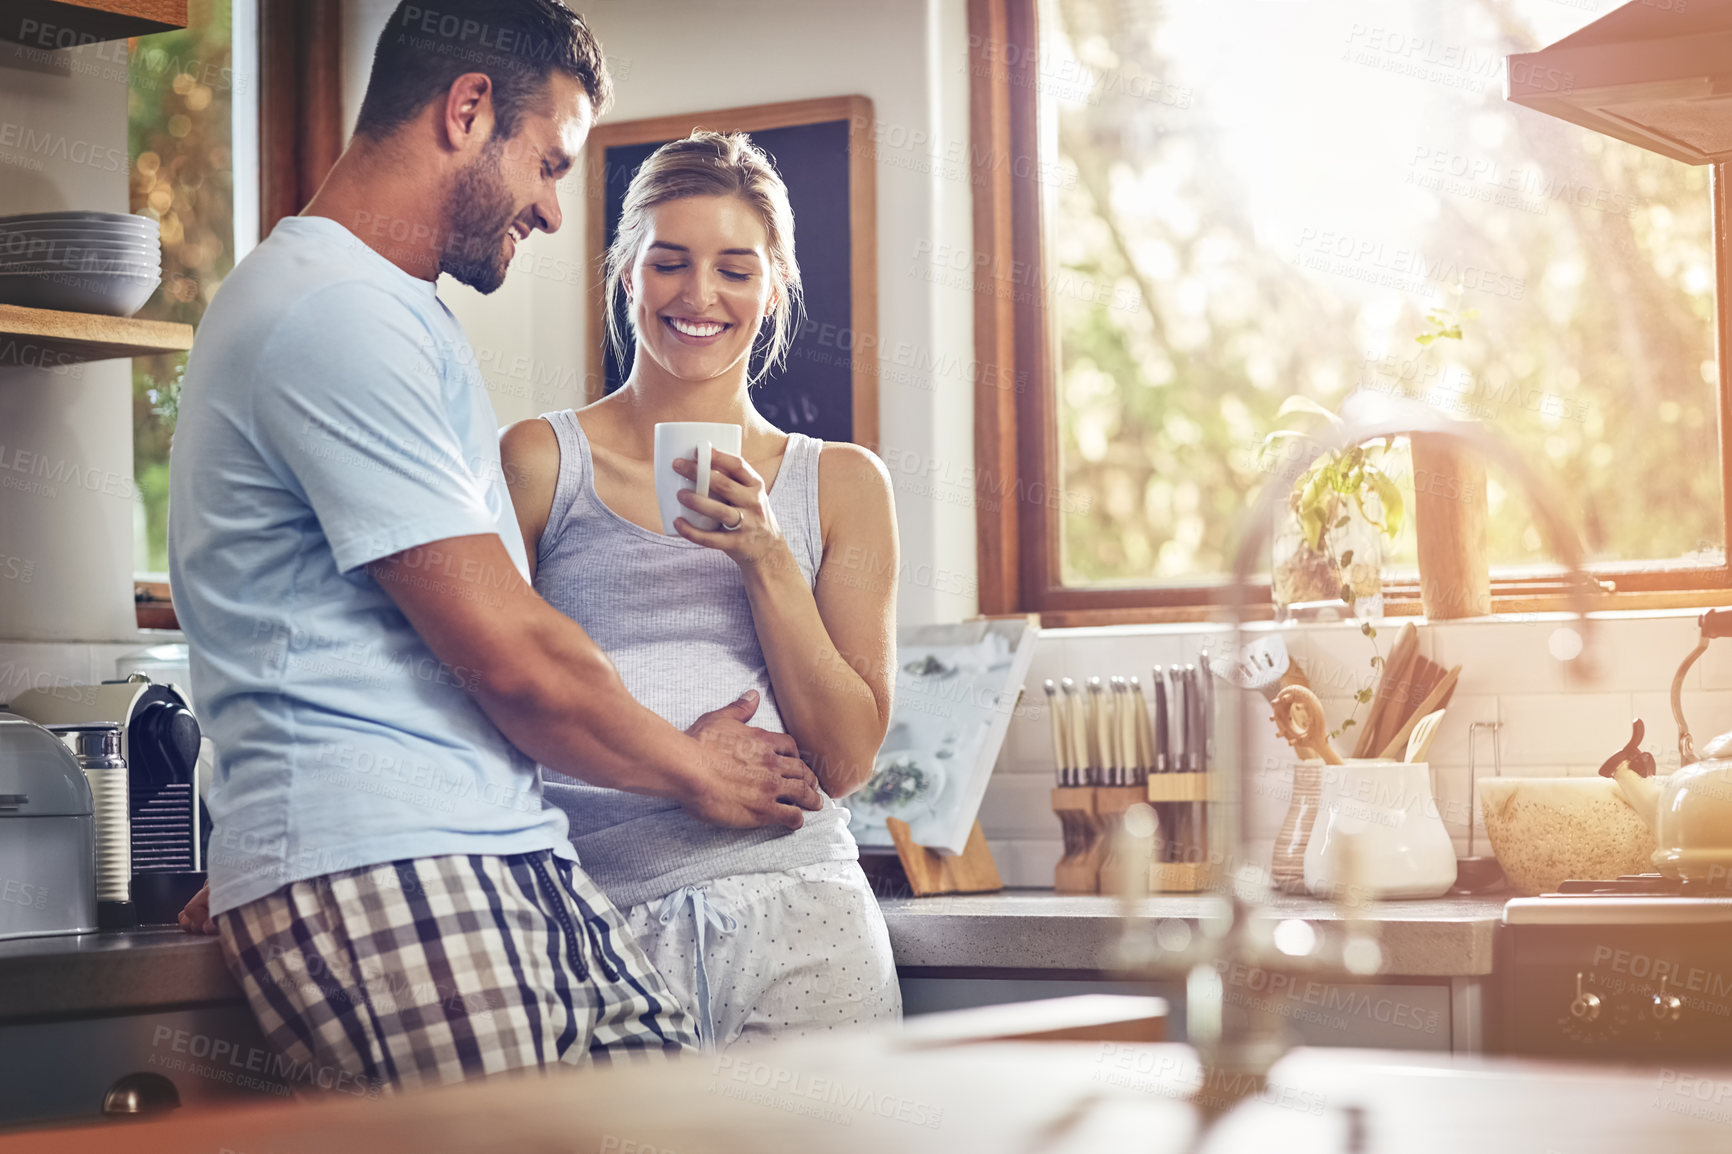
pixel 756 957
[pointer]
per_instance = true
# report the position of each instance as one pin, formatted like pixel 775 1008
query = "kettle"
pixel 1690 811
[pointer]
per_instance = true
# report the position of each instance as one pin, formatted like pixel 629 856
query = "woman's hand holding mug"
pixel 738 501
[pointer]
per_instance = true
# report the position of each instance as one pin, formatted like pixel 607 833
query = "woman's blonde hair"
pixel 711 164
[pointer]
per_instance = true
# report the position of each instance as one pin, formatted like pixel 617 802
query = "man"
pixel 377 674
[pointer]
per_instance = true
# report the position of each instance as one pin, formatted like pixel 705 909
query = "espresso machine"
pixel 164 826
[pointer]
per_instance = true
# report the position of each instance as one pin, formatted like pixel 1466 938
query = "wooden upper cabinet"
pixel 50 24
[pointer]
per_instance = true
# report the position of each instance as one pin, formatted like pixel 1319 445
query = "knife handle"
pixel 1163 727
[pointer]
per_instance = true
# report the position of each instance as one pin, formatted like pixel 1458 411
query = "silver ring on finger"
pixel 735 527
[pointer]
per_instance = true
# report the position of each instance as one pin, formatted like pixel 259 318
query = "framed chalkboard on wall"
pixel 823 149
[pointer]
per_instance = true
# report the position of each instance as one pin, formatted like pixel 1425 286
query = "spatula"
pixel 1299 718
pixel 1419 741
pixel 1262 664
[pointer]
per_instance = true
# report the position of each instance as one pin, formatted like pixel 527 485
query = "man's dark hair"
pixel 519 44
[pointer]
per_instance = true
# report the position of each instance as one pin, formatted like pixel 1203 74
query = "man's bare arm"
pixel 555 695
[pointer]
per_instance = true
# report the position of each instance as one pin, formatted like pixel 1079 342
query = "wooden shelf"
pixel 44 338
pixel 67 23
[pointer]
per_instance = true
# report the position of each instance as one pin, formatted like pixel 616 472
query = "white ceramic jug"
pixel 1401 848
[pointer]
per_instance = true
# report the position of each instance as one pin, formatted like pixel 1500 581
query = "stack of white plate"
pixel 86 262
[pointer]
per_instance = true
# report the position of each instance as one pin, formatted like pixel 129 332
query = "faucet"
pixel 1239 935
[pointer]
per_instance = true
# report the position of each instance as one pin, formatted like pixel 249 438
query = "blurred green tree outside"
pixel 1268 199
pixel 179 106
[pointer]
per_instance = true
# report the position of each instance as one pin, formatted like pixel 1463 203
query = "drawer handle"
pixel 140 1095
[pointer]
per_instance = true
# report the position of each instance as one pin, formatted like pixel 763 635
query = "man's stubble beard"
pixel 478 213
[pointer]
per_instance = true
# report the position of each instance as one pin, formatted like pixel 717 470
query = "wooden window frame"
pixel 1015 411
pixel 300 138
pixel 300 103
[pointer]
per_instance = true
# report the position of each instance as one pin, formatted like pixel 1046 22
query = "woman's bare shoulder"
pixel 854 490
pixel 528 449
pixel 848 463
pixel 529 458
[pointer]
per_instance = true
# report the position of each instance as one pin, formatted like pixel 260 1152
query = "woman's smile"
pixel 699 333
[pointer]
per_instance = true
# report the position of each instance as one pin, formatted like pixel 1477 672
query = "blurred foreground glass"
pixel 1247 201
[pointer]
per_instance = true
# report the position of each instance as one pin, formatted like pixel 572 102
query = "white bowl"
pixel 107 294
pixel 1547 830
pixel 80 258
pixel 90 259
pixel 130 224
pixel 65 272
pixel 19 241
pixel 72 218
pixel 15 237
pixel 15 251
pixel 78 254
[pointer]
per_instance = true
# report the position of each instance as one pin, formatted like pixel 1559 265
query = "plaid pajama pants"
pixel 437 970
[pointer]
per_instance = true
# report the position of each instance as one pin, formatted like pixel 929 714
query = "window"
pixel 191 136
pixel 1241 201
pixel 234 122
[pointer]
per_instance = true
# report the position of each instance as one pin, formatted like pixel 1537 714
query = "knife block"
pixel 1173 794
pixel 1111 802
pixel 1078 871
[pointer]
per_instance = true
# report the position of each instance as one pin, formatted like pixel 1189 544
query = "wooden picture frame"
pixel 862 214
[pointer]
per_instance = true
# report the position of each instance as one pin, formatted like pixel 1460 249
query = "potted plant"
pixel 1329 545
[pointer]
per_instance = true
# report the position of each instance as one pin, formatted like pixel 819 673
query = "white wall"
pixel 669 56
pixel 1551 723
pixel 66 504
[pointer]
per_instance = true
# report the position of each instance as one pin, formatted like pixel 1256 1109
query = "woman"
pixel 759 932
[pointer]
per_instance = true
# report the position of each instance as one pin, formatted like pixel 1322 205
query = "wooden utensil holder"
pixel 1195 871
pixel 1287 863
pixel 1078 871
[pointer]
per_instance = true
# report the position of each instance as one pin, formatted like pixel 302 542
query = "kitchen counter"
pixel 870 1092
pixel 1015 931
pixel 110 973
pixel 1038 930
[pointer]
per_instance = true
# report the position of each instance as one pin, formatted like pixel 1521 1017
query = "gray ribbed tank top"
pixel 674 618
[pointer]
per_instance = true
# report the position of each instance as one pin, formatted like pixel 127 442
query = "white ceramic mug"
pixel 692 440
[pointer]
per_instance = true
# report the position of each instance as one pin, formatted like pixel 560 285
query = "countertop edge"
pixel 1040 930
pixel 1021 932
pixel 109 974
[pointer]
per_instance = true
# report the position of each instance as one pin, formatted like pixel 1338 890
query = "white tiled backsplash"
pixel 49 664
pixel 1551 724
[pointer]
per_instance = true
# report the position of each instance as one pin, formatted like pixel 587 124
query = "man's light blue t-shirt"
pixel 332 414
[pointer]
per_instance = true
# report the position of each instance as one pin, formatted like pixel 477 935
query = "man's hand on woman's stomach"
pixel 757 776
pixel 555 695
